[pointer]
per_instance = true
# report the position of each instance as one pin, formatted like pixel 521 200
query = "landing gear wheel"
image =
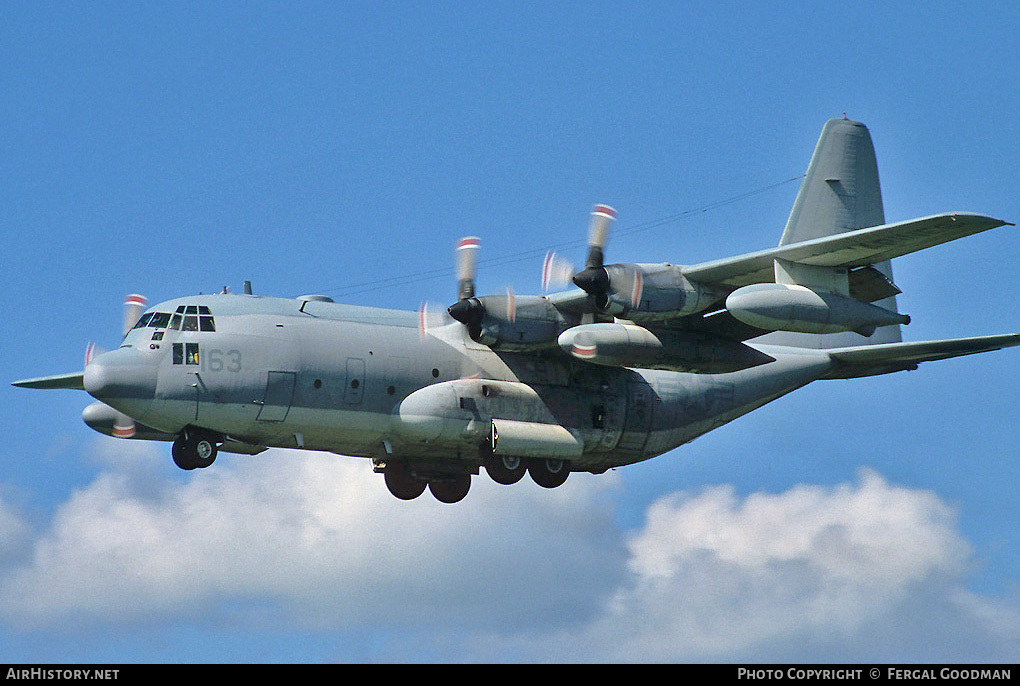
pixel 180 454
pixel 548 473
pixel 402 483
pixel 451 489
pixel 194 450
pixel 505 469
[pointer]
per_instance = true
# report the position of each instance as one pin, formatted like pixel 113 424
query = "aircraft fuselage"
pixel 369 382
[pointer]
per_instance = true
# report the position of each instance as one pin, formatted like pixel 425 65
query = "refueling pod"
pixel 629 345
pixel 791 307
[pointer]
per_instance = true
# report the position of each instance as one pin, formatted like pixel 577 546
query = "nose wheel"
pixel 194 450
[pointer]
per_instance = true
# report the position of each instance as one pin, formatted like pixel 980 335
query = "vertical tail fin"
pixel 840 193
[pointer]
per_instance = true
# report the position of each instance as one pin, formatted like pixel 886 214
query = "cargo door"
pixel 278 397
pixel 640 402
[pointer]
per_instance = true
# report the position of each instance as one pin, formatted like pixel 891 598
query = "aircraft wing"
pixel 576 301
pixel 867 360
pixel 73 381
pixel 851 249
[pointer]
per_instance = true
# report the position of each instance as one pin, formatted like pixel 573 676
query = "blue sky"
pixel 342 148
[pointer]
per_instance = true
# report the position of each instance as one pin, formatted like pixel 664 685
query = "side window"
pixel 191 353
pixel 178 353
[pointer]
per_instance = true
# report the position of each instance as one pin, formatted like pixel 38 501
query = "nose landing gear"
pixel 194 449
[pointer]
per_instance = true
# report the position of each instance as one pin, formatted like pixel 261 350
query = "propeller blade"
pixel 134 304
pixel 556 271
pixel 602 217
pixel 92 351
pixel 637 289
pixel 511 304
pixel 467 263
pixel 431 316
pixel 594 279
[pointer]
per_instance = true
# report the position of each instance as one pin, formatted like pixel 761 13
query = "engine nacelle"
pixel 789 307
pixel 654 292
pixel 629 345
pixel 517 323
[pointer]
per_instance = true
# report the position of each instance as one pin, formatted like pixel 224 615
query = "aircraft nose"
pixel 122 378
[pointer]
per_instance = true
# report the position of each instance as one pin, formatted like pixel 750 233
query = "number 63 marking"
pixel 217 360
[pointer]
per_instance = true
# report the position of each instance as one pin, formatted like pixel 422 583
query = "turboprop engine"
pixel 646 292
pixel 509 322
pixel 790 307
pixel 639 292
pixel 506 322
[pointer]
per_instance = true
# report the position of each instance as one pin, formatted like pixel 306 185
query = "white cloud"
pixel 856 572
pixel 320 538
pixel 14 532
pixel 861 571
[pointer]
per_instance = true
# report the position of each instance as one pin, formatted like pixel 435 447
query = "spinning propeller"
pixel 470 310
pixel 595 278
pixel 134 304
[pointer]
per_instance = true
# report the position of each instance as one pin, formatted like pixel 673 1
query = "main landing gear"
pixel 194 449
pixel 407 484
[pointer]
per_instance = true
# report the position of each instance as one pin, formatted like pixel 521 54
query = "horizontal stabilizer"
pixel 69 381
pixel 851 249
pixel 867 360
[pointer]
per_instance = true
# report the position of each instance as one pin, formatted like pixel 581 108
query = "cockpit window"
pixel 191 318
pixel 144 320
pixel 160 320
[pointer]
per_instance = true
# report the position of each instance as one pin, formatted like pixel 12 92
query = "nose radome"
pixel 123 378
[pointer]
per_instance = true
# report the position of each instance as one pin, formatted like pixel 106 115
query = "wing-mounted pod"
pixel 630 345
pixel 791 307
pixel 506 322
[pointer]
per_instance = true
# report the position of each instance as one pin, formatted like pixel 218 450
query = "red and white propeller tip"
pixel 467 264
pixel 602 218
pixel 134 305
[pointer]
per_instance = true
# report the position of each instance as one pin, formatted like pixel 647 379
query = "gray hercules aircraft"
pixel 639 359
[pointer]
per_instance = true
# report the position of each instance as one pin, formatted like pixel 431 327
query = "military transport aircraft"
pixel 635 361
